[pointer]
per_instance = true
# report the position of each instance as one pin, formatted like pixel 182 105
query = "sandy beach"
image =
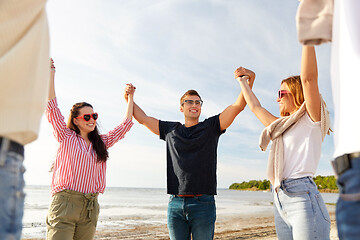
pixel 230 228
pixel 126 213
pixel 255 226
pixel 227 228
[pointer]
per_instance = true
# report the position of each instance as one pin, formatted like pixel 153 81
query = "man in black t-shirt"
pixel 191 163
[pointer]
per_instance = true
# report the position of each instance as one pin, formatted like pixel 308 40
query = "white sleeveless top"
pixel 302 148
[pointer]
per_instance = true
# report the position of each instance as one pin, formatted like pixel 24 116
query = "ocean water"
pixel 126 207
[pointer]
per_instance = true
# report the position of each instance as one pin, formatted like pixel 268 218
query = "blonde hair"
pixel 295 87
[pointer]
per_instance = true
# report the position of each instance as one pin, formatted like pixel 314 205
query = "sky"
pixel 165 48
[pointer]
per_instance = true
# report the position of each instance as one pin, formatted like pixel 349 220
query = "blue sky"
pixel 165 48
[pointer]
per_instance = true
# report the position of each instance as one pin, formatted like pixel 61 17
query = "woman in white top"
pixel 300 212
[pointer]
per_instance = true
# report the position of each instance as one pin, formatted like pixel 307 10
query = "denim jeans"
pixel 300 212
pixel 348 205
pixel 191 215
pixel 11 194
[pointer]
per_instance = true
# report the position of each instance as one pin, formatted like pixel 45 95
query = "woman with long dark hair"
pixel 79 170
pixel 300 212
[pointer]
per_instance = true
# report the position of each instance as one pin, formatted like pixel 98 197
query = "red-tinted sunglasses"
pixel 87 117
pixel 281 93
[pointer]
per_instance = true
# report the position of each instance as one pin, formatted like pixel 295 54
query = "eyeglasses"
pixel 191 102
pixel 281 93
pixel 87 117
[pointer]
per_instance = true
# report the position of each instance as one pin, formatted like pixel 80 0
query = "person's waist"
pixel 188 195
pixel 346 162
pixel 77 194
pixel 11 146
pixel 294 181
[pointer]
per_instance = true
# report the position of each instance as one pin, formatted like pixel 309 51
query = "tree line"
pixel 324 183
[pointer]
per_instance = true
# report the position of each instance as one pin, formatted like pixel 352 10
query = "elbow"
pixel 309 77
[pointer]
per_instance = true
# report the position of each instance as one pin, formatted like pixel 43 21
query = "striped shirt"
pixel 76 167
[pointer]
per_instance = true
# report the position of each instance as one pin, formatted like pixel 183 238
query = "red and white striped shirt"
pixel 76 167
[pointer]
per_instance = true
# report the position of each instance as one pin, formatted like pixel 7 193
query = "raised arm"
pixel 261 113
pixel 52 94
pixel 228 115
pixel 53 113
pixel 309 81
pixel 151 123
pixel 129 92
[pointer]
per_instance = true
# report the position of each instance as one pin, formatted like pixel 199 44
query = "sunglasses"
pixel 191 102
pixel 87 117
pixel 281 93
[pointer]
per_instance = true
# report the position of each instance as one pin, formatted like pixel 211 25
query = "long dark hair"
pixel 94 136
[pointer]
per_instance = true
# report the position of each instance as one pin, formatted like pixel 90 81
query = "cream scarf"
pixel 275 131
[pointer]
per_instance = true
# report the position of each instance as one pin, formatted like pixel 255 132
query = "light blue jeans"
pixel 348 205
pixel 11 194
pixel 191 215
pixel 300 211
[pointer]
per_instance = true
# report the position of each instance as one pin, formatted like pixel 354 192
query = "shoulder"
pixel 168 126
pixel 168 123
pixel 213 118
pixel 308 121
pixel 212 121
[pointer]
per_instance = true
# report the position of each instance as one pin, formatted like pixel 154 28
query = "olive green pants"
pixel 72 215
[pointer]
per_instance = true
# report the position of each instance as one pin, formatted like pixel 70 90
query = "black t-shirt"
pixel 191 156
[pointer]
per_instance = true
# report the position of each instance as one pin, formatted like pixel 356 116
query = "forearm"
pixel 249 96
pixel 139 114
pixel 309 80
pixel 51 94
pixel 130 107
pixel 150 122
pixel 229 114
pixel 309 70
pixel 240 103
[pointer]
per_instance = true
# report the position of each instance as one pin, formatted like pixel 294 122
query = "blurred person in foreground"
pixel 338 21
pixel 24 76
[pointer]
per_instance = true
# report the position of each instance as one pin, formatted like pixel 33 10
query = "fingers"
pixel 130 89
pixel 241 71
pixel 52 66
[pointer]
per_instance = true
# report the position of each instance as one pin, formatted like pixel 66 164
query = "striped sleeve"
pixel 56 119
pixel 117 133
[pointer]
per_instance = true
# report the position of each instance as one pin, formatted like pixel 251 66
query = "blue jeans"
pixel 348 205
pixel 11 194
pixel 300 212
pixel 191 215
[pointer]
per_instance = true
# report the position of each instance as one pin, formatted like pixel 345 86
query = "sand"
pixel 227 227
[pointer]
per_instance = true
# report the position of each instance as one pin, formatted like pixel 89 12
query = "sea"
pixel 127 207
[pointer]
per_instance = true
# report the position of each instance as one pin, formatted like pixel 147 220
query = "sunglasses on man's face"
pixel 87 117
pixel 281 93
pixel 191 102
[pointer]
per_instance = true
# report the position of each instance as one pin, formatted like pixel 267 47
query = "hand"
pixel 129 91
pixel 241 72
pixel 52 68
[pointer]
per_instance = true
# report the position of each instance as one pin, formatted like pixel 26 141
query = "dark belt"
pixel 189 195
pixel 13 146
pixel 343 163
